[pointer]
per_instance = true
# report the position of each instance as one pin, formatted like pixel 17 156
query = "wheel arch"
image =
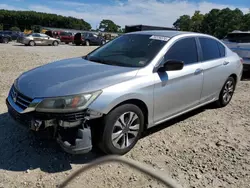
pixel 234 76
pixel 139 103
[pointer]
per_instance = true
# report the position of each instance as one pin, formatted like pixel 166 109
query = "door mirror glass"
pixel 171 65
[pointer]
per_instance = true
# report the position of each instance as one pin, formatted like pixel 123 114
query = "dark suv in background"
pixel 88 39
pixel 4 38
pixel 14 34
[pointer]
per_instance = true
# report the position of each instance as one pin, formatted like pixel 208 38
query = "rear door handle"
pixel 198 71
pixel 225 62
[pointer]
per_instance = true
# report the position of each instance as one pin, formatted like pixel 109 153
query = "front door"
pixel 177 91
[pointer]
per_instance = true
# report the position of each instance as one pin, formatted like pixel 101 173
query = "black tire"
pixel 5 40
pixel 106 143
pixel 77 44
pixel 221 102
pixel 55 43
pixel 66 42
pixel 32 43
pixel 26 44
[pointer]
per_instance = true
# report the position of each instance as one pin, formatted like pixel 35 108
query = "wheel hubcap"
pixel 125 130
pixel 228 91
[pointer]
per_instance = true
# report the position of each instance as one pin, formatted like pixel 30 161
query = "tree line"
pixel 217 22
pixel 10 19
pixel 31 20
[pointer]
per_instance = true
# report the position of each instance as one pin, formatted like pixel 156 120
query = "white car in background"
pixel 239 42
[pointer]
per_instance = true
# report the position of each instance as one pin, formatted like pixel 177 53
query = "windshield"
pixel 134 50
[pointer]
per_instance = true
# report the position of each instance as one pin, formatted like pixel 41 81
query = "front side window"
pixel 36 35
pixel 210 49
pixel 183 50
pixel 133 50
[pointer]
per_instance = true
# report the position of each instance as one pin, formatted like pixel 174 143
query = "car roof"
pixel 163 33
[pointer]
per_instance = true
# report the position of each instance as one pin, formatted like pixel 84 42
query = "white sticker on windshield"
pixel 159 38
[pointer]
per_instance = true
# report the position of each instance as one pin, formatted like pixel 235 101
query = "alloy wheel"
pixel 125 130
pixel 228 91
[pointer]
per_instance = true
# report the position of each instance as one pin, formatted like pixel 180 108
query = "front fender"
pixel 135 89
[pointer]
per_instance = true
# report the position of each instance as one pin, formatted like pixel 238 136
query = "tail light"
pixel 242 61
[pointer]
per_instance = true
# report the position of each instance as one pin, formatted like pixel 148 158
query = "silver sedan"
pixel 119 90
pixel 38 39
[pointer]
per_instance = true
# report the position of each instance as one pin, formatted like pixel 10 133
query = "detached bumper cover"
pixel 83 142
pixel 83 139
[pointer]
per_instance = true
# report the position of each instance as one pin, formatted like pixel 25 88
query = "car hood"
pixel 71 76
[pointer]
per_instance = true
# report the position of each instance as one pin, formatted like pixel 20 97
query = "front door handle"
pixel 198 71
pixel 225 62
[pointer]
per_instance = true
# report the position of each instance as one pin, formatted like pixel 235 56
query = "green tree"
pixel 27 19
pixel 217 22
pixel 183 23
pixel 36 28
pixel 196 21
pixel 1 27
pixel 245 26
pixel 15 28
pixel 109 26
pixel 209 23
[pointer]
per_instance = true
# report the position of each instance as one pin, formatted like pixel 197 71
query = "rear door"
pixel 214 63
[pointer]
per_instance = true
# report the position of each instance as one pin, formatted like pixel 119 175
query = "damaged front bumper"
pixel 71 130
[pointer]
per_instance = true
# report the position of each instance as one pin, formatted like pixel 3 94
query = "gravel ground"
pixel 205 148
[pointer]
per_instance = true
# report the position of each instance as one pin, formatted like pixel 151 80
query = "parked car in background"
pixel 38 39
pixel 134 82
pixel 88 39
pixel 66 37
pixel 4 38
pixel 14 34
pixel 239 42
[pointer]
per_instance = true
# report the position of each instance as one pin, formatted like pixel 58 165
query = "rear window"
pixel 238 37
pixel 210 49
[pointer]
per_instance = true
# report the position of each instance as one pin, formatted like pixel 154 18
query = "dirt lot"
pixel 206 148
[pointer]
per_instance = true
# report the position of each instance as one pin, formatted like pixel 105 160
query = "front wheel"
pixel 5 40
pixel 226 93
pixel 87 43
pixel 122 129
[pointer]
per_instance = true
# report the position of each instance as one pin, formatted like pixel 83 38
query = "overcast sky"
pixel 125 12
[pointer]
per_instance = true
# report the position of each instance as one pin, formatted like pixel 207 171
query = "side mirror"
pixel 170 65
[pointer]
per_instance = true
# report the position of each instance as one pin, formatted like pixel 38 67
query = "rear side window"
pixel 210 49
pixel 222 49
pixel 184 50
pixel 238 37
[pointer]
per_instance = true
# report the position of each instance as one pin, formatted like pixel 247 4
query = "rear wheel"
pixel 32 43
pixel 226 93
pixel 122 129
pixel 55 43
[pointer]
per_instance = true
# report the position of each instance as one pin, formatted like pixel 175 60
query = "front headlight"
pixel 68 103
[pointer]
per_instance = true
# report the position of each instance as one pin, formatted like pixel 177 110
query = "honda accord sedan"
pixel 136 81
